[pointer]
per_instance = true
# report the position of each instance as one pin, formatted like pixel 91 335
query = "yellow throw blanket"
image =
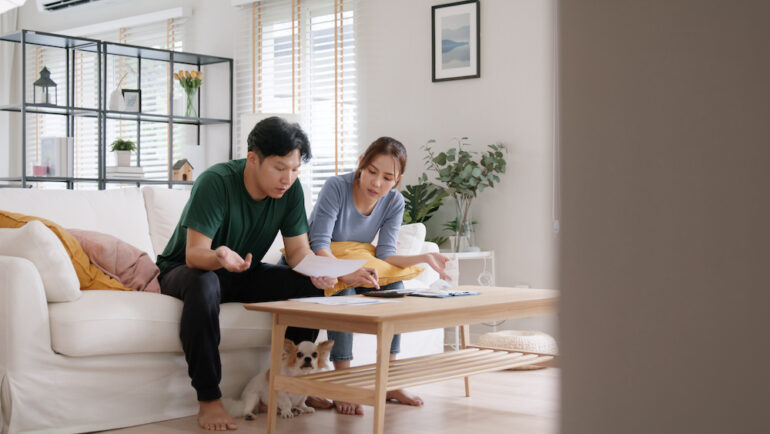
pixel 89 275
pixel 387 273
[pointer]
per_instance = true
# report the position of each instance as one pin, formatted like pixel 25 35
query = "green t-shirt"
pixel 221 208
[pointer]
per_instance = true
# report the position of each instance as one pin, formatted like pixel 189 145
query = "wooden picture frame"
pixel 456 42
pixel 132 100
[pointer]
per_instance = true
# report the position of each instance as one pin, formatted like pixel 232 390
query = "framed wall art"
pixel 132 100
pixel 456 45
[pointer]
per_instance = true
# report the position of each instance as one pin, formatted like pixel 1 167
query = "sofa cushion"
pixel 111 322
pixel 118 212
pixel 43 248
pixel 164 207
pixel 410 239
pixel 88 274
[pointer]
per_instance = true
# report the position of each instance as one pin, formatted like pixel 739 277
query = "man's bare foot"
pixel 348 408
pixel 319 403
pixel 404 397
pixel 212 416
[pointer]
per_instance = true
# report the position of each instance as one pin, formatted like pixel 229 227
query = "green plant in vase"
pixel 452 227
pixel 190 82
pixel 465 174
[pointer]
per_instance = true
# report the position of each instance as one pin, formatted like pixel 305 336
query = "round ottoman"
pixel 520 340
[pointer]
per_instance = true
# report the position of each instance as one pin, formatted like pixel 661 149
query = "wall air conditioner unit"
pixel 58 5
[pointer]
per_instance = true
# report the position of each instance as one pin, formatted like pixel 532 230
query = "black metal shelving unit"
pixel 104 50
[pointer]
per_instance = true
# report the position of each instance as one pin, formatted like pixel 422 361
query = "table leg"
pixel 384 338
pixel 276 351
pixel 466 340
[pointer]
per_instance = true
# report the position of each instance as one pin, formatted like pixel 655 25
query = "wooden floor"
pixel 501 402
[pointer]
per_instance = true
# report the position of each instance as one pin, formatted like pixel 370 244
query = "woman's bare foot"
pixel 319 403
pixel 348 408
pixel 212 416
pixel 404 397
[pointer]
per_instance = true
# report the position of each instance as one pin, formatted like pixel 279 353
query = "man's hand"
pixel 362 276
pixel 231 261
pixel 437 262
pixel 324 282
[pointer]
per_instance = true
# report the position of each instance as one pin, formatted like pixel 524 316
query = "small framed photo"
pixel 456 45
pixel 132 100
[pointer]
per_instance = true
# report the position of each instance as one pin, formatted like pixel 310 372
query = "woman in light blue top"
pixel 355 207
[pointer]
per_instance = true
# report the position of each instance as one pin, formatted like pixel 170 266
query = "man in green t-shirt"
pixel 233 215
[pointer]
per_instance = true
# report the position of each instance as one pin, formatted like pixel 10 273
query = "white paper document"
pixel 318 266
pixel 342 300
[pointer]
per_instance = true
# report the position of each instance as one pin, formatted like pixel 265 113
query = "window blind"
pixel 299 57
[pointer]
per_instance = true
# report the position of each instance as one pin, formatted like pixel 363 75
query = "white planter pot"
pixel 123 158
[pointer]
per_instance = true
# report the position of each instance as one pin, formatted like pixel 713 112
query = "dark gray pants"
pixel 203 291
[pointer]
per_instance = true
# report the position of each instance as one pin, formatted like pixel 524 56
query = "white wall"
pixel 665 319
pixel 512 103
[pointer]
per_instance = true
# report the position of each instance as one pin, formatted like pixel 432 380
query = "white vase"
pixel 123 158
pixel 115 102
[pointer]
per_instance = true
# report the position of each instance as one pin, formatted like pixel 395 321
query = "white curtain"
pixel 8 24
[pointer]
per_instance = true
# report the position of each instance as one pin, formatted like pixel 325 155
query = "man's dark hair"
pixel 275 136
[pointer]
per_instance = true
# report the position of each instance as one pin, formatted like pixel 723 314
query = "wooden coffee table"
pixel 368 384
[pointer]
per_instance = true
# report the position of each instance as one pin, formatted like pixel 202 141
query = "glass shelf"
pixel 151 117
pixel 145 181
pixel 51 109
pixel 59 179
pixel 52 40
pixel 161 55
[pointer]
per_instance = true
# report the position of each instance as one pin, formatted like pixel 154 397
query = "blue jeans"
pixel 343 341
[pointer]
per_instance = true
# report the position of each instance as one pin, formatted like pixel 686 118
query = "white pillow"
pixel 164 207
pixel 34 241
pixel 410 239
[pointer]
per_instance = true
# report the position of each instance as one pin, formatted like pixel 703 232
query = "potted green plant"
pixel 464 174
pixel 421 201
pixel 122 149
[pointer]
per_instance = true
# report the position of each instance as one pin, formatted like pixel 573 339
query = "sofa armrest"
pixel 24 324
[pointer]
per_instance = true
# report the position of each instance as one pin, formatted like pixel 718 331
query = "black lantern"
pixel 42 90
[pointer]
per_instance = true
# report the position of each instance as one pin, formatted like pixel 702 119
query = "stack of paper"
pixel 323 266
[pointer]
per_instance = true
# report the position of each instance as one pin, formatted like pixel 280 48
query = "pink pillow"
pixel 123 262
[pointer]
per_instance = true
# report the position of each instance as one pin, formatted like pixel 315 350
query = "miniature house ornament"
pixel 183 170
pixel 42 92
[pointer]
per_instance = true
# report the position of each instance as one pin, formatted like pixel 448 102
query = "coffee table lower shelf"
pixel 357 384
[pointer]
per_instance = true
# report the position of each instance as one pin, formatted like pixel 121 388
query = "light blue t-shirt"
pixel 335 217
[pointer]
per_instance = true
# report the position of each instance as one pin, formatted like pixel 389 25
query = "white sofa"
pixel 111 358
